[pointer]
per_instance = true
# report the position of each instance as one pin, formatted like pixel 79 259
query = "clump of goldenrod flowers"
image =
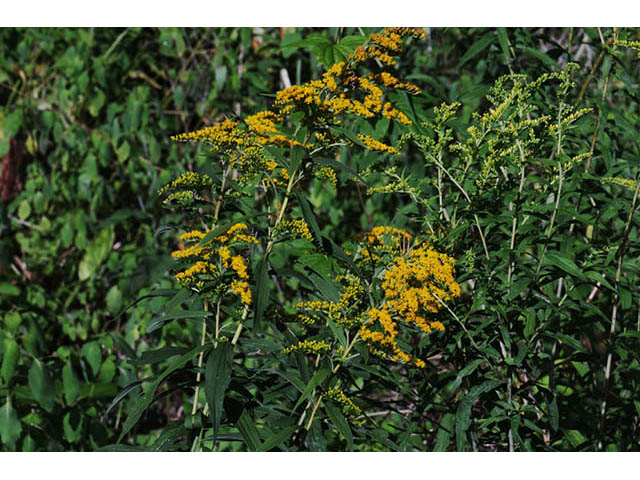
pixel 215 259
pixel 623 182
pixel 344 312
pixel 309 346
pixel 328 173
pixel 295 229
pixel 184 189
pixel 416 283
pixel 349 408
pixel 382 240
pixel 373 144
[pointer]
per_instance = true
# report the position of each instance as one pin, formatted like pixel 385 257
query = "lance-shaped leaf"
pixel 217 376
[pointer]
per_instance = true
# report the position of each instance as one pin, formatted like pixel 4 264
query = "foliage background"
pixel 85 123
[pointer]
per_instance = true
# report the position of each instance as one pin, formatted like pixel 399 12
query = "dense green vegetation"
pixel 527 182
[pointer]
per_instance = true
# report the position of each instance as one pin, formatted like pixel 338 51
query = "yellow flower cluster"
pixel 349 408
pixel 381 234
pixel 383 240
pixel 340 88
pixel 414 286
pixel 216 256
pixel 384 45
pixel 296 228
pixel 309 346
pixel 373 144
pixel 234 233
pixel 391 113
pixel 340 311
pixel 306 319
pixel 263 124
pixel 329 174
pixel 187 180
pixel 190 276
pixel 624 182
pixel 388 80
pixel 413 283
pixel 242 290
pixel 339 91
pixel 223 136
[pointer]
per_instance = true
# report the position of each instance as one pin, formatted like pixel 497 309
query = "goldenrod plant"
pixel 345 239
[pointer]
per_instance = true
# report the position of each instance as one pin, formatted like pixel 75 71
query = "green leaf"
pixel 72 426
pixel 443 437
pixel 10 359
pixel 339 422
pixel 337 332
pixel 145 400
pixel 570 341
pixel 107 371
pixel 318 262
pixel 297 154
pixel 327 288
pixel 543 57
pixel 41 385
pixel 8 289
pixel 563 262
pixel 12 321
pixel 313 383
pixel 262 293
pixel 125 391
pixel 114 299
pixel 338 253
pixel 277 439
pixel 179 315
pixel 313 40
pixel 477 48
pixel 468 370
pixel 309 217
pixel 463 414
pixel 10 427
pixel 217 376
pixel 160 355
pixel 93 354
pixel 503 38
pixel 249 432
pixel 96 103
pixel 96 253
pixel 24 210
pixel 596 278
pixel 575 437
pixel 352 41
pixel 70 384
pixel 12 123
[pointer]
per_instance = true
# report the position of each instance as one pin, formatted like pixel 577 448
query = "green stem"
pixel 313 412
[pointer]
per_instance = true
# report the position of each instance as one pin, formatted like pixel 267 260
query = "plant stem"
pixel 236 336
pixel 558 194
pixel 313 412
pixel 203 337
pixel 468 199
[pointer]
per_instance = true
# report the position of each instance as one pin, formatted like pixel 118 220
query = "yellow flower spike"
pixel 225 254
pixel 242 290
pixel 373 144
pixel 237 264
pixel 309 346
